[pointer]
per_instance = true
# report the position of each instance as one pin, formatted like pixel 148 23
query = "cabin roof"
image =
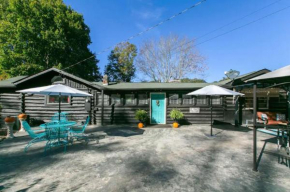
pixel 9 83
pixel 15 81
pixel 154 86
pixel 60 72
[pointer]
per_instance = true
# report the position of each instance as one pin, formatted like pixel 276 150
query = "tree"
pixel 195 80
pixel 39 34
pixel 169 58
pixel 121 63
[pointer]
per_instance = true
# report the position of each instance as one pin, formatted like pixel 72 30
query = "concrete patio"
pixel 151 159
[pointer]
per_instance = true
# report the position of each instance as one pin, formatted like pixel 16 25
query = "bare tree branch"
pixel 169 58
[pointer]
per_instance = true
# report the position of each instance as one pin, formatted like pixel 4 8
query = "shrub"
pixel 176 114
pixel 141 115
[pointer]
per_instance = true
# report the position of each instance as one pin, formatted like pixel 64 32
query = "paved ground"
pixel 152 159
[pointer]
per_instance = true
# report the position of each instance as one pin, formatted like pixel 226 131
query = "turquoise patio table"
pixel 58 125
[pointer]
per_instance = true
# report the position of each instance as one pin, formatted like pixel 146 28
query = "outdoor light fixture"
pixel 232 74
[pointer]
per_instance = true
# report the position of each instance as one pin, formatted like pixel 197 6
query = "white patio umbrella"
pixel 57 89
pixel 214 90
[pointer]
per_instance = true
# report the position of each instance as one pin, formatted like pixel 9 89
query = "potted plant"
pixel 9 121
pixel 141 116
pixel 176 115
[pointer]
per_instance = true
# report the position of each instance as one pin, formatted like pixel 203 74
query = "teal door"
pixel 157 108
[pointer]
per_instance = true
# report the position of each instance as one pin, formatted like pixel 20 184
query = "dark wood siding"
pixel 10 104
pixel 123 114
pixel 36 107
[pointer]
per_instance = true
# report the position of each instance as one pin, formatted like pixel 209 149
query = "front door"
pixel 158 108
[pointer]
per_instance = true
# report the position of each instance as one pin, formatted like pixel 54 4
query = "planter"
pixel 9 122
pixel 9 119
pixel 9 130
pixel 175 125
pixel 22 117
pixel 141 125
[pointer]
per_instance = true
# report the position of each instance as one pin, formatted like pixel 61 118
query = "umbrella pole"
pixel 59 116
pixel 59 107
pixel 210 116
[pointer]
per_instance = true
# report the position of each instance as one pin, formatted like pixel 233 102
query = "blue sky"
pixel 264 44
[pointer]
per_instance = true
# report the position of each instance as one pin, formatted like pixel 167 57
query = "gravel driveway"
pixel 151 159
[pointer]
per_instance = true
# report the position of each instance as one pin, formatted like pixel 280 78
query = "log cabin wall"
pixel 125 114
pixel 36 105
pixel 10 105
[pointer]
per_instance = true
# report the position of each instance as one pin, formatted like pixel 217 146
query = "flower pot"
pixel 140 125
pixel 22 117
pixel 175 125
pixel 9 119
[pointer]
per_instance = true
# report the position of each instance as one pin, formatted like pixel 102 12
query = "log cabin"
pixel 116 103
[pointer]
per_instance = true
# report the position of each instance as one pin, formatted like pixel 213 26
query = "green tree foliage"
pixel 121 63
pixel 195 80
pixel 39 34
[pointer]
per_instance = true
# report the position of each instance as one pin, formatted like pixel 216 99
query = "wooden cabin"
pixel 116 103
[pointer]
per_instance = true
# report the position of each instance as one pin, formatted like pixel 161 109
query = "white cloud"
pixel 149 14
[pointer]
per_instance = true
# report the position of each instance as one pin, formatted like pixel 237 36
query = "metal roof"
pixel 154 86
pixel 9 83
pixel 276 76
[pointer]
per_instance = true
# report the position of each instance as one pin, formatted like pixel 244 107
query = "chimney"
pixel 105 80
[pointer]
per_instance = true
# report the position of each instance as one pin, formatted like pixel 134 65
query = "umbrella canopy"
pixel 281 75
pixel 214 90
pixel 57 89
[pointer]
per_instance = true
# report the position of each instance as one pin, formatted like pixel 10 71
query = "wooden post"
pixel 22 109
pixel 210 100
pixel 102 112
pixel 255 168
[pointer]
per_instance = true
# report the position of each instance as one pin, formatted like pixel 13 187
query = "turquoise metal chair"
pixel 37 137
pixel 56 137
pixel 63 118
pixel 78 131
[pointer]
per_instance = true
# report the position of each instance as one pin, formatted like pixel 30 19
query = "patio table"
pixel 58 125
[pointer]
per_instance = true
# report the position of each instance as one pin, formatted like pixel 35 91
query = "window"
pixel 115 99
pixel 173 99
pixel 53 99
pixel 263 102
pixel 187 100
pixel 129 99
pixel 142 99
pixel 216 100
pixel 201 100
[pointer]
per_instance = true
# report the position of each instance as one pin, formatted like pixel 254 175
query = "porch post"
pixel 255 168
pixel 102 112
